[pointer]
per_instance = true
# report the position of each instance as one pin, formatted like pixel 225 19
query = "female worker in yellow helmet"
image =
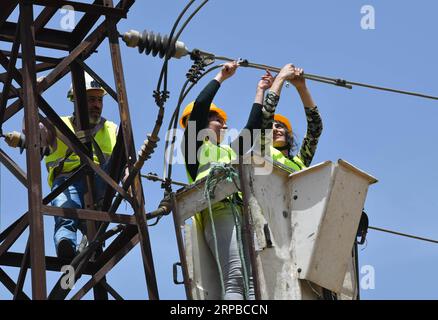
pixel 284 143
pixel 203 114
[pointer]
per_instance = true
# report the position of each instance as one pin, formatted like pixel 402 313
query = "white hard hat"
pixel 90 84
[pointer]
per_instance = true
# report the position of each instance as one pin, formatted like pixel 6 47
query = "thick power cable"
pixel 175 25
pixel 175 39
pixel 174 119
pixel 403 234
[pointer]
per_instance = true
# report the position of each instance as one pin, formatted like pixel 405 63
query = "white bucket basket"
pixel 304 227
pixel 327 203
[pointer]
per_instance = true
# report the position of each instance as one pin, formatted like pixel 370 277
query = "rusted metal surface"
pixel 133 229
pixel 112 292
pixel 106 268
pixel 83 7
pixel 14 259
pixel 11 286
pixel 13 168
pixel 38 58
pixel 181 249
pixel 37 251
pixel 11 227
pixel 23 271
pixel 91 215
pixel 12 110
pixel 95 76
pixel 14 234
pixel 46 38
pixel 124 237
pixel 40 67
pixel 86 23
pixel 118 160
pixel 137 190
pixel 8 82
pixel 44 17
pixel 70 179
pixel 7 7
pixel 82 124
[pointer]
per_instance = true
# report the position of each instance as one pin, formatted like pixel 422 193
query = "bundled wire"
pixel 403 234
pixel 173 123
pixel 163 73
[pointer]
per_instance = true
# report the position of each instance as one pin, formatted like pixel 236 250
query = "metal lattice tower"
pixel 31 33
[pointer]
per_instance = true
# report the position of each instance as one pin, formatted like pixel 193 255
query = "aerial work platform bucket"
pixel 302 230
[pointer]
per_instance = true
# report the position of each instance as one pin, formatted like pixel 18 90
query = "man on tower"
pixel 61 162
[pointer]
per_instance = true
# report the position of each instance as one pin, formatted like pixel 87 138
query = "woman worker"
pixel 199 115
pixel 283 139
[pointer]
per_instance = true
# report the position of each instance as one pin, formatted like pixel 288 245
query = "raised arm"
pixel 47 139
pixel 255 116
pixel 200 113
pixel 273 96
pixel 314 121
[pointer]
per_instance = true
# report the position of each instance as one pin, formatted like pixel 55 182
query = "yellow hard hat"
pixel 188 110
pixel 283 120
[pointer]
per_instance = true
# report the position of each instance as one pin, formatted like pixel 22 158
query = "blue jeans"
pixel 73 197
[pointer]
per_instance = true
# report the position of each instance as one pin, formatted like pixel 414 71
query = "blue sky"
pixel 390 136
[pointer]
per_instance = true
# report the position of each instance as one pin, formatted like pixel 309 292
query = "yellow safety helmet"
pixel 282 119
pixel 188 110
pixel 90 84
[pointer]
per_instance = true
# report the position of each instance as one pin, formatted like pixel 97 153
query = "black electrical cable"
pixel 172 39
pixel 175 40
pixel 156 222
pixel 155 178
pixel 403 234
pixel 182 98
pixel 169 47
pixel 334 81
pixel 172 124
pixel 175 25
pixel 174 119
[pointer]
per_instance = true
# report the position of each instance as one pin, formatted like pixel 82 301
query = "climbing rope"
pixel 220 172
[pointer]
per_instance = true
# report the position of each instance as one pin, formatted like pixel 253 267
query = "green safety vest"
pixel 296 164
pixel 210 154
pixel 105 138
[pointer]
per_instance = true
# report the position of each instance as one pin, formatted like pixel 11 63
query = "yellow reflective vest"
pixel 210 154
pixel 296 164
pixel 106 139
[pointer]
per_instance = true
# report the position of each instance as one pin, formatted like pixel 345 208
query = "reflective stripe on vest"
pixel 209 155
pixel 296 164
pixel 106 138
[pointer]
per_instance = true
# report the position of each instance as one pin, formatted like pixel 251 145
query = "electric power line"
pixel 403 234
